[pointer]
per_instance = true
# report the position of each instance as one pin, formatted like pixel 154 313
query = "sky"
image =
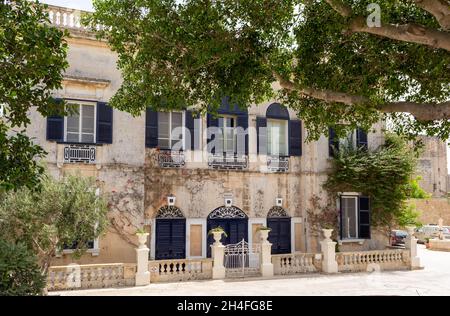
pixel 73 4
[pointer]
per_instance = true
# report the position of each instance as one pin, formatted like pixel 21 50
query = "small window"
pixel 80 126
pixel 277 137
pixel 227 125
pixel 168 122
pixel 349 209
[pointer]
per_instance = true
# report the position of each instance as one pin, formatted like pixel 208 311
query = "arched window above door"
pixel 277 111
pixel 227 212
pixel 169 211
pixel 276 212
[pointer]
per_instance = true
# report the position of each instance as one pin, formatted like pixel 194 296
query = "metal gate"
pixel 241 260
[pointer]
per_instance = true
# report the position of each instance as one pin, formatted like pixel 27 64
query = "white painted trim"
pixel 355 198
pixel 295 220
pixel 251 221
pixel 153 238
pixel 195 221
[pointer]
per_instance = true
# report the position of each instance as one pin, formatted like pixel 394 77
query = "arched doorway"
pixel 233 220
pixel 170 234
pixel 280 235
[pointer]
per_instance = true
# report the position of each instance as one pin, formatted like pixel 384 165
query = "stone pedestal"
pixel 217 253
pixel 328 248
pixel 411 245
pixel 266 254
pixel 142 273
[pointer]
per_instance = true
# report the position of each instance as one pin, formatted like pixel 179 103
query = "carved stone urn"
pixel 142 237
pixel 264 235
pixel 327 234
pixel 217 235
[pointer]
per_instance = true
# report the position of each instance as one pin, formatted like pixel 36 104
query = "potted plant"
pixel 264 232
pixel 427 242
pixel 142 237
pixel 327 230
pixel 217 233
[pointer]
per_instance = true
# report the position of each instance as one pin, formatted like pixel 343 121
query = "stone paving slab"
pixel 434 279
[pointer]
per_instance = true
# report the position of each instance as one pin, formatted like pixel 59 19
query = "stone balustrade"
pixel 68 18
pixel 296 263
pixel 180 270
pixel 90 276
pixel 395 259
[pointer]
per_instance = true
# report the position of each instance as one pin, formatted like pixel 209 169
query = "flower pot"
pixel 264 234
pixel 327 233
pixel 142 238
pixel 217 235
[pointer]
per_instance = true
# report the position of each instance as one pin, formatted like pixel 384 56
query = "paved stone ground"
pixel 434 279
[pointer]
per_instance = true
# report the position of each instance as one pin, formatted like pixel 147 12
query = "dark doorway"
pixel 170 234
pixel 280 235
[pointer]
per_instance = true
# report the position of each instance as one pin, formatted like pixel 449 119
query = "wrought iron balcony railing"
pixel 80 153
pixel 228 162
pixel 171 159
pixel 278 163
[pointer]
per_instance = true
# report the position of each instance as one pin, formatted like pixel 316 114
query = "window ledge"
pixel 349 241
pixel 84 144
pixel 94 252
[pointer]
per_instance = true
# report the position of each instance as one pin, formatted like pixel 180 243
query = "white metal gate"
pixel 241 260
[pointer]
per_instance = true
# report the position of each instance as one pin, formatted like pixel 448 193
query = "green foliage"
pixel 384 175
pixel 175 54
pixel 416 192
pixel 19 273
pixel 32 61
pixel 63 212
pixel 218 229
pixel 18 158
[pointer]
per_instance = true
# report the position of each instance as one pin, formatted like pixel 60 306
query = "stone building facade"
pixel 176 196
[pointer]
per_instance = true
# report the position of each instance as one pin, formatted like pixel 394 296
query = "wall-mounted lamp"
pixel 171 200
pixel 279 202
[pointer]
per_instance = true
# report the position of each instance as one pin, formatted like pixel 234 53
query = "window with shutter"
pixel 170 132
pixel 354 217
pixel 80 125
pixel 151 128
pixel 104 123
pixel 261 130
pixel 295 138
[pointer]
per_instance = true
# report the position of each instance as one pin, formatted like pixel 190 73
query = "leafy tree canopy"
pixel 330 64
pixel 32 60
pixel 63 212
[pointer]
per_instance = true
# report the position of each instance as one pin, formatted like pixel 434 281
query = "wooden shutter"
pixel 211 122
pixel 151 128
pixel 333 143
pixel 361 139
pixel 295 138
pixel 364 217
pixel 104 123
pixel 261 122
pixel 55 127
pixel 242 121
pixel 190 125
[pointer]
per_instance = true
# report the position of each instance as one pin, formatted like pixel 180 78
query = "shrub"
pixel 19 271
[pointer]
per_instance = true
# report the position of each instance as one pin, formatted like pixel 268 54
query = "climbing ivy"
pixel 385 175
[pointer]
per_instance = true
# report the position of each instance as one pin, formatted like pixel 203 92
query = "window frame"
pixel 183 126
pixel 223 129
pixel 286 127
pixel 356 198
pixel 80 123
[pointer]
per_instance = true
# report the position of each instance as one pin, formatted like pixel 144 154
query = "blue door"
pixel 280 234
pixel 170 239
pixel 235 228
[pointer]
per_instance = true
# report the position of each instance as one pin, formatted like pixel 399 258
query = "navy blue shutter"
pixel 151 128
pixel 361 139
pixel 104 123
pixel 364 217
pixel 261 122
pixel 333 143
pixel 212 122
pixel 55 127
pixel 190 120
pixel 242 121
pixel 295 138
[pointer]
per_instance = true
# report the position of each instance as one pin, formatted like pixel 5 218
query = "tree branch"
pixel 421 111
pixel 440 9
pixel 340 7
pixel 412 33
